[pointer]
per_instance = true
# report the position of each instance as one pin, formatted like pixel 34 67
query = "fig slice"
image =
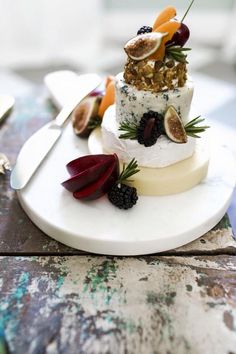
pixel 101 186
pixel 174 127
pixel 86 177
pixel 144 45
pixel 83 114
pixel 80 164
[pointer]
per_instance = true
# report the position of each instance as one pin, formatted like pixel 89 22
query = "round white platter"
pixel 155 224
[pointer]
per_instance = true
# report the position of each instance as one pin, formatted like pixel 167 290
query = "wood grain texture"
pixel 159 305
pixel 18 235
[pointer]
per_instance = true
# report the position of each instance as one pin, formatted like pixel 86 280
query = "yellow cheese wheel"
pixel 173 179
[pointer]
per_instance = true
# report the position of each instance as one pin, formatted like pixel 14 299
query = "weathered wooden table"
pixel 55 299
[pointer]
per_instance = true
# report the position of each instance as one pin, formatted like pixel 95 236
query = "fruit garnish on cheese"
pixel 144 45
pixel 93 176
pixel 174 127
pixel 109 97
pixel 89 113
pixel 153 125
pixel 165 67
pixel 85 116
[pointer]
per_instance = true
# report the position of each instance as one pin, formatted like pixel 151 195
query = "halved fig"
pixel 83 114
pixel 92 176
pixel 144 45
pixel 174 127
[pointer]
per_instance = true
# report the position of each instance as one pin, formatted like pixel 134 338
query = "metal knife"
pixel 40 143
pixel 6 105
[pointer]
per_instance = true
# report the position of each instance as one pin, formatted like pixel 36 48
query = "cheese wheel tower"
pixel 131 105
pixel 151 118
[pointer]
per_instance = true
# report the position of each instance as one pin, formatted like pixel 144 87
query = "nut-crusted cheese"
pixel 163 153
pixel 132 103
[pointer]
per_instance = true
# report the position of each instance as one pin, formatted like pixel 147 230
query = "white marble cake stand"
pixel 155 224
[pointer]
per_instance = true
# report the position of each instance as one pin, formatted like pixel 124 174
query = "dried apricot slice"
pixel 108 99
pixel 109 78
pixel 168 27
pixel 166 15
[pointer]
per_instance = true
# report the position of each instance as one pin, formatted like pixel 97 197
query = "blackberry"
pixel 150 128
pixel 123 196
pixel 144 29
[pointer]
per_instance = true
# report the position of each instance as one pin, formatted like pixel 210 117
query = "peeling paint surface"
pixel 84 304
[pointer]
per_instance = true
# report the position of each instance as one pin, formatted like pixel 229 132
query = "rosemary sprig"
pixel 95 123
pixel 192 129
pixel 128 171
pixel 130 129
pixel 187 11
pixel 177 53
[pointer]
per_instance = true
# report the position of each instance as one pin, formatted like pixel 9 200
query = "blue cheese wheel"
pixel 132 103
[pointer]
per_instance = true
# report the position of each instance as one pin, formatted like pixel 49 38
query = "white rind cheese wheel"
pixel 170 180
pixel 132 103
pixel 163 153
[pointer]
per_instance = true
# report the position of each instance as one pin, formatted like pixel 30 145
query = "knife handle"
pixel 62 85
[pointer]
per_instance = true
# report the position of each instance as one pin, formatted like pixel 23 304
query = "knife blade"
pixel 37 147
pixel 6 105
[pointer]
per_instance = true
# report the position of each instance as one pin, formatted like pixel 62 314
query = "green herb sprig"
pixel 192 129
pixel 95 123
pixel 128 171
pixel 130 129
pixel 177 53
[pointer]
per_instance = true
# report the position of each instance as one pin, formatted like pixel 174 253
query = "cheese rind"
pixel 162 154
pixel 174 179
pixel 132 103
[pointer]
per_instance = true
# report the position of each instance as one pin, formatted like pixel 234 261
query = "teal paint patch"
pixel 22 286
pixel 98 277
pixel 60 281
pixel 10 306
